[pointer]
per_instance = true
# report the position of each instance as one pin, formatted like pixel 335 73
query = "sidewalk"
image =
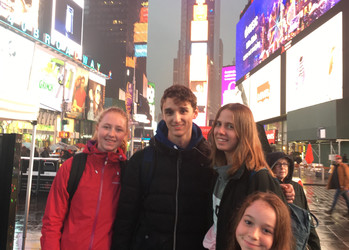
pixel 333 230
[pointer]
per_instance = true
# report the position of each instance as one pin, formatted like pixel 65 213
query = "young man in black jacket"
pixel 172 208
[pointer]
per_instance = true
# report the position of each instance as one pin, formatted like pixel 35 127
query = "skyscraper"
pixel 199 56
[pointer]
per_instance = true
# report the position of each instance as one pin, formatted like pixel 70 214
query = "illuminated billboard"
pixel 200 12
pixel 228 84
pixel 47 72
pixel 314 66
pixel 200 89
pixel 141 50
pixel 79 94
pixel 199 31
pixel 21 12
pixel 67 23
pixel 141 32
pixel 151 98
pixel 17 97
pixel 268 24
pixel 143 15
pixel 264 93
pixel 198 68
pixel 95 100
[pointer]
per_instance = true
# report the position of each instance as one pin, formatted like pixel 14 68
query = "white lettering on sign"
pixel 251 27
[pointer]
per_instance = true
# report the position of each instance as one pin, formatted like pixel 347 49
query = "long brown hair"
pixel 283 239
pixel 115 110
pixel 249 149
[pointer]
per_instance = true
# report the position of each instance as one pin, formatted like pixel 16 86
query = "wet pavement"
pixel 333 230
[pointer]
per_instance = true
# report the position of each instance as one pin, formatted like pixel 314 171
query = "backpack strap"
pixel 77 168
pixel 147 169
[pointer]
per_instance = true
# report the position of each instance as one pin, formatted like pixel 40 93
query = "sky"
pixel 164 34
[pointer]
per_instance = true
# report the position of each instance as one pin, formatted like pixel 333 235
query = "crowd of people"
pixel 227 192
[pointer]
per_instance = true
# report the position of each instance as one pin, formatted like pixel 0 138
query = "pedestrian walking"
pixel 262 222
pixel 283 166
pixel 86 221
pixel 238 158
pixel 339 180
pixel 172 209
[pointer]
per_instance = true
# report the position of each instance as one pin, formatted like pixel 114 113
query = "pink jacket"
pixel 88 225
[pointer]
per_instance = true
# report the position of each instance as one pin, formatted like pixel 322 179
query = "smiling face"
pixel 256 227
pixel 111 132
pixel 225 136
pixel 179 120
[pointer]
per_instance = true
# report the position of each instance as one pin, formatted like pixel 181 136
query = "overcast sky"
pixel 164 33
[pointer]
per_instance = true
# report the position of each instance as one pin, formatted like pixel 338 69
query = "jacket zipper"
pixel 98 205
pixel 179 162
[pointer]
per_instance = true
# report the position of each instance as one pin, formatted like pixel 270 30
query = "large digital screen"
pixel 228 84
pixel 79 94
pixel 314 67
pixel 268 24
pixel 264 94
pixel 17 98
pixel 67 23
pixel 141 50
pixel 46 75
pixel 21 12
pixel 141 32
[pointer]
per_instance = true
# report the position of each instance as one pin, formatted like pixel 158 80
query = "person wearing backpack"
pixel 85 221
pixel 283 166
pixel 165 201
pixel 239 161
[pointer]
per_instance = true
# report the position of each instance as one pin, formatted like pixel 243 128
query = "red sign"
pixel 64 134
pixel 271 135
pixel 205 131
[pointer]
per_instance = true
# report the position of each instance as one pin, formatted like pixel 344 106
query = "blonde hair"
pixel 249 149
pixel 114 110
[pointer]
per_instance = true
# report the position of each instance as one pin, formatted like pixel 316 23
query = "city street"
pixel 333 230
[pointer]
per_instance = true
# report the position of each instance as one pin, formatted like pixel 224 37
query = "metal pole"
pixel 29 185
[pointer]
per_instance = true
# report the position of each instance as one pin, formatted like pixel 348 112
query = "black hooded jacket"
pixel 176 211
pixel 300 198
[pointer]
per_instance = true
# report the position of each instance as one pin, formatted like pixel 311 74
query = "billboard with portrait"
pixel 79 94
pixel 95 100
pixel 314 66
pixel 268 24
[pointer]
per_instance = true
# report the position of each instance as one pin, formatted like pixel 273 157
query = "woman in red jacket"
pixel 87 222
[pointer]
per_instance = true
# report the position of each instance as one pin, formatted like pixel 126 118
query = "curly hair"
pixel 181 94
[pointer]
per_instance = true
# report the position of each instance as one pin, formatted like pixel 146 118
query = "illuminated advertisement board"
pixel 228 84
pixel 314 66
pixel 95 100
pixel 67 23
pixel 268 24
pixel 19 12
pixel 17 97
pixel 141 32
pixel 199 31
pixel 79 94
pixel 264 93
pixel 151 98
pixel 47 72
pixel 143 15
pixel 141 50
pixel 200 89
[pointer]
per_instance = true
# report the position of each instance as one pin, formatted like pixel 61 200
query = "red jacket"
pixel 88 225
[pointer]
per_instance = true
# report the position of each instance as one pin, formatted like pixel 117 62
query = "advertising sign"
pixel 67 23
pixel 79 94
pixel 228 84
pixel 151 98
pixel 141 50
pixel 268 24
pixel 17 97
pixel 47 77
pixel 264 93
pixel 129 98
pixel 272 135
pixel 314 66
pixel 21 12
pixel 141 32
pixel 95 100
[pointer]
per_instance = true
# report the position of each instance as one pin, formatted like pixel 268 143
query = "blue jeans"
pixel 336 196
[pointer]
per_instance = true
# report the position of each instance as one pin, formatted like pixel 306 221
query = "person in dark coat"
pixel 339 180
pixel 283 166
pixel 172 211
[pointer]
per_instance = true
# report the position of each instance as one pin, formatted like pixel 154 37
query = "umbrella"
pixel 309 154
pixel 61 145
